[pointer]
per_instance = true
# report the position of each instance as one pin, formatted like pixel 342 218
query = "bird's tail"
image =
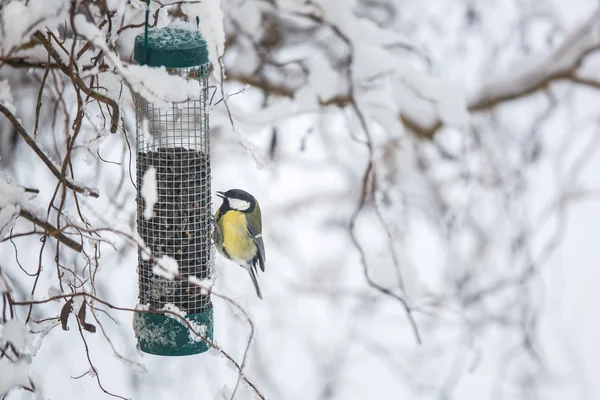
pixel 252 273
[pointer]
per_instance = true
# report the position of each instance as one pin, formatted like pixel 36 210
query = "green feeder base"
pixel 164 335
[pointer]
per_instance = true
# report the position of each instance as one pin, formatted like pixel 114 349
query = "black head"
pixel 237 199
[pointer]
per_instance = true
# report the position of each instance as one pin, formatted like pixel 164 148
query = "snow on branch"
pixel 561 64
pixel 78 81
pixel 211 26
pixel 418 107
pixel 15 356
pixel 154 84
pixel 15 202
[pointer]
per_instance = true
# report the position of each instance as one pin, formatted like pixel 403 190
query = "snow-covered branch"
pixel 396 241
pixel 68 69
pixel 530 76
pixel 52 231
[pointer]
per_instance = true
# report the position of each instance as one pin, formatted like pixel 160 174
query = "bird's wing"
pixel 258 241
pixel 218 238
pixel 261 252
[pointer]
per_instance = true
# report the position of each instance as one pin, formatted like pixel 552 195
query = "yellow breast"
pixel 236 241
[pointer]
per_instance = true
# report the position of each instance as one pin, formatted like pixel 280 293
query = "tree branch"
pixel 29 140
pixel 68 70
pixel 561 64
pixel 52 231
pixel 181 319
pixel 24 63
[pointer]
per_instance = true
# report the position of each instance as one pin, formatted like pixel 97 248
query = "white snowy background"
pixel 441 153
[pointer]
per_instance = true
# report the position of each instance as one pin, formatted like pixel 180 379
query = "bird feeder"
pixel 175 142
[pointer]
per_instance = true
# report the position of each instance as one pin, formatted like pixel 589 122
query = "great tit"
pixel 239 232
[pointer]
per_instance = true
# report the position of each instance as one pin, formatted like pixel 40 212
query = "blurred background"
pixel 427 173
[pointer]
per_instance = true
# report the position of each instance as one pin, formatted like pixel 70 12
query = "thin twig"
pixel 156 312
pixel 38 106
pixel 93 368
pixel 29 140
pixel 367 177
pixel 69 71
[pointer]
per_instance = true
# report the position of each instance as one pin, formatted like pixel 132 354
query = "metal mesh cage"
pixel 175 142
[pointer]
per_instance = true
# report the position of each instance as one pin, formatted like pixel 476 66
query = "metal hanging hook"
pixel 146 29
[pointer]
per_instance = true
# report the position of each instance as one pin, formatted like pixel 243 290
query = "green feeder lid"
pixel 171 47
pixel 162 335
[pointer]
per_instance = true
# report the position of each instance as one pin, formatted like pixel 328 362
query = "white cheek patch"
pixel 238 204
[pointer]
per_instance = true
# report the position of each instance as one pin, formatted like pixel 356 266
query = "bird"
pixel 239 232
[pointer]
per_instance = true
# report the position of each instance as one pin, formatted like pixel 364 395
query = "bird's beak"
pixel 221 195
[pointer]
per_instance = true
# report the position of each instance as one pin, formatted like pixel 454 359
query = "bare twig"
pixel 29 140
pixel 69 71
pixel 560 65
pixel 159 312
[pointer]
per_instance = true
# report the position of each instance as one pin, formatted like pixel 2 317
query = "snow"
pixel 167 267
pixel 320 72
pixel 249 16
pixel 417 95
pixel 14 367
pixel 6 97
pixel 172 308
pixel 200 329
pixel 15 332
pixel 142 307
pixel 202 283
pixel 158 336
pixel 14 374
pixel 12 199
pixel 197 332
pixel 211 26
pixel 449 219
pixel 4 284
pixel 149 192
pixel 145 251
pixel 8 213
pixel 87 191
pixel 157 85
pixel 42 327
pixel 93 137
pixel 176 35
pixel 154 84
pixel 428 100
pixel 19 20
pixel 530 73
pixel 53 291
pixel 164 336
pixel 410 104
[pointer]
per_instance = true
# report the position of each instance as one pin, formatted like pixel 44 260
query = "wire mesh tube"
pixel 175 143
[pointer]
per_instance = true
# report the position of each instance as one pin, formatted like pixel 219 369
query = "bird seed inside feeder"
pixel 179 229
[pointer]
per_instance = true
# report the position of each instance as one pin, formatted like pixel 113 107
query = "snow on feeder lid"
pixel 174 197
pixel 178 46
